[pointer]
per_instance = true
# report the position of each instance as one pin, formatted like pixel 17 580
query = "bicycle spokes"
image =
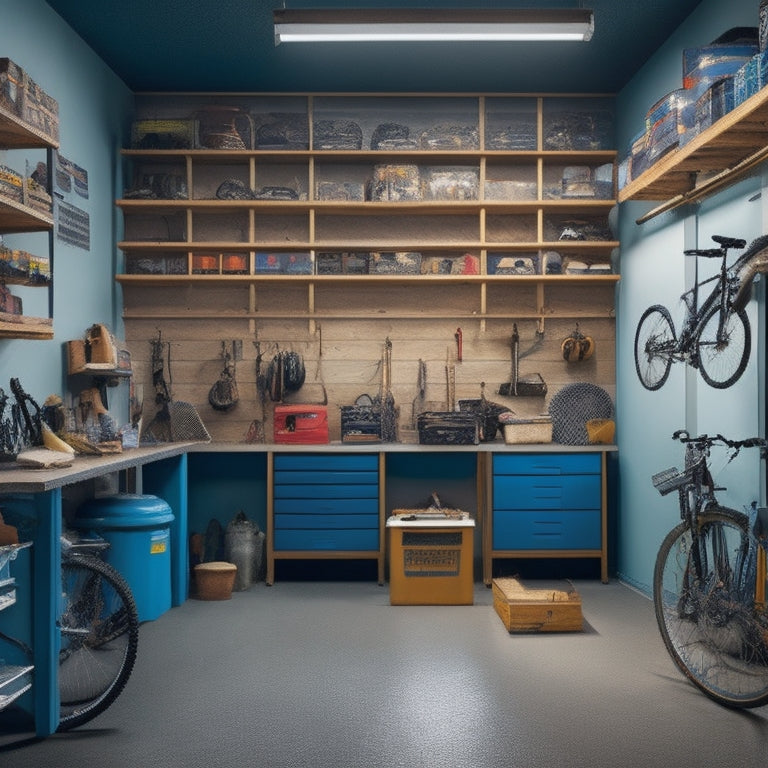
pixel 723 346
pixel 655 347
pixel 712 624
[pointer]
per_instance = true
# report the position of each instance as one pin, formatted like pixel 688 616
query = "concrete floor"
pixel 329 675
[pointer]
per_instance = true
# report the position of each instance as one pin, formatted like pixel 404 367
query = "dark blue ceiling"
pixel 228 45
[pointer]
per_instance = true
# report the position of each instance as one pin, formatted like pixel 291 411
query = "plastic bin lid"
pixel 124 510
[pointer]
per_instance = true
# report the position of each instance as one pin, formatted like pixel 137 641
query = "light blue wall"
pixel 654 270
pixel 94 108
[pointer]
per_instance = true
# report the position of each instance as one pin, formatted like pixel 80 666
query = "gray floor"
pixel 328 674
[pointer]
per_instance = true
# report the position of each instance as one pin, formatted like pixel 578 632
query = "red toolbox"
pixel 301 424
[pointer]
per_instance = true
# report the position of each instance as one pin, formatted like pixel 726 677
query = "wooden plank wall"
pixel 344 357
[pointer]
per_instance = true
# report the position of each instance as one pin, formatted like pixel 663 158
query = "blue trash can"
pixel 137 528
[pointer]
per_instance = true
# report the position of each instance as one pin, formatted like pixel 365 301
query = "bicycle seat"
pixel 725 243
pixel 729 242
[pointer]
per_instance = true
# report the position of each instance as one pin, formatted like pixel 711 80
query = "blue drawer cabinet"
pixel 546 505
pixel 543 529
pixel 325 506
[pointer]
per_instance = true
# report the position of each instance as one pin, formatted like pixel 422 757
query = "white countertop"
pixel 429 522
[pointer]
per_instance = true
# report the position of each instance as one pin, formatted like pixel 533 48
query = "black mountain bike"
pixel 715 336
pixel 709 582
pixel 99 626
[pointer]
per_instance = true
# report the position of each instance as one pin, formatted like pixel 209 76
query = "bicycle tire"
pixel 655 342
pixel 711 627
pixel 717 362
pixel 99 627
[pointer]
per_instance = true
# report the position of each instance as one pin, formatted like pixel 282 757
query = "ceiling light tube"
pixel 421 24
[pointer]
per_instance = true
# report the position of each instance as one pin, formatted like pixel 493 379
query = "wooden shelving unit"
pixel 16 217
pixel 484 226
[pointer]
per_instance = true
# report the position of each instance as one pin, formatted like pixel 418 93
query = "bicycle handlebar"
pixel 683 436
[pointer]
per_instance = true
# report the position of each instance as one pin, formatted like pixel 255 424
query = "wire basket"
pixel 671 479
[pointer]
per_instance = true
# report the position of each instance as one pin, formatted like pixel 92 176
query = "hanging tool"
pixel 458 337
pixel 175 420
pixel 577 346
pixel 255 433
pixel 388 410
pixel 521 386
pixel 418 402
pixel 450 381
pixel 223 395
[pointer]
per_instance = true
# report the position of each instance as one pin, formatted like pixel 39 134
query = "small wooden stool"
pixel 215 580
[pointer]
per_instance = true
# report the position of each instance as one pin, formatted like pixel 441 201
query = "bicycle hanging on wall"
pixel 715 335
pixel 709 581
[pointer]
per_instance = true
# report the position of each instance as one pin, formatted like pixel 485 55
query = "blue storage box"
pixel 715 102
pixel 661 124
pixel 710 63
pixel 750 78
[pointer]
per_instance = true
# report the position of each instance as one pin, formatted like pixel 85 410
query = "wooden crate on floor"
pixel 536 610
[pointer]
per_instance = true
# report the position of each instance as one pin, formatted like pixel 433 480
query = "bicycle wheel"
pixel 655 343
pixel 704 596
pixel 722 362
pixel 99 638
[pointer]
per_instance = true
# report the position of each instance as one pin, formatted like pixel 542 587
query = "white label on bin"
pixel 158 544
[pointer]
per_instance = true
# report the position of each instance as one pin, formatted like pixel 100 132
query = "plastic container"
pixel 137 528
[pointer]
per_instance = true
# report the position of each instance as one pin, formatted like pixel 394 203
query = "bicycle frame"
pixel 696 497
pixel 696 314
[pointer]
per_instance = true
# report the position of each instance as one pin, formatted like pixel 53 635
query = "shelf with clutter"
pixel 28 122
pixel 707 134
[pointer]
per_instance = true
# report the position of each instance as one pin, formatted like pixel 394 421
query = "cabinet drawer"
pixel 363 540
pixel 326 492
pixel 331 521
pixel 328 477
pixel 324 462
pixel 535 529
pixel 546 464
pixel 299 506
pixel 546 492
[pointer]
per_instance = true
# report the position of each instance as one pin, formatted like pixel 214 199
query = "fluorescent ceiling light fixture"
pixel 422 24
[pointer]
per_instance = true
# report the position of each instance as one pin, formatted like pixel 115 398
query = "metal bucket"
pixel 239 549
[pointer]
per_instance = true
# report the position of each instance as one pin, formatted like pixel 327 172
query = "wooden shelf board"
pixel 10 280
pixel 16 134
pixel 368 207
pixel 161 247
pixel 383 315
pixel 24 327
pixel 15 217
pixel 191 280
pixel 726 143
pixel 216 155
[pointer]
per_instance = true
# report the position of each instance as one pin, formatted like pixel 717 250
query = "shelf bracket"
pixel 710 186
